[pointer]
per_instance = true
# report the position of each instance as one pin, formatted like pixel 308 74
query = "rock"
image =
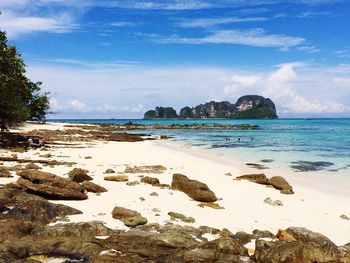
pixel 257 166
pixel 193 188
pixel 284 235
pixel 133 183
pixel 306 166
pixel 150 180
pixel 211 205
pixel 5 172
pixel 20 205
pixel 305 235
pixel 154 194
pixel 161 113
pixel 79 175
pixel 32 166
pixel 269 201
pixel 281 184
pixel 122 213
pixel 109 171
pixel 117 178
pixel 87 157
pixel 155 169
pixel 50 185
pixel 243 237
pixel 177 216
pixel 92 187
pixel 254 178
pixel 134 221
pixel 225 233
pixel 262 234
pixel 345 217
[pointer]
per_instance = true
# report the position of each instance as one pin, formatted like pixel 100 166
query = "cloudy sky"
pixel 118 58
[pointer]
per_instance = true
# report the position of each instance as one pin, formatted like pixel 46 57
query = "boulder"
pixel 79 175
pixel 254 178
pixel 281 184
pixel 135 221
pixel 109 171
pixel 150 180
pixel 122 213
pixel 5 172
pixel 193 188
pixel 32 166
pixel 92 187
pixel 50 185
pixel 117 178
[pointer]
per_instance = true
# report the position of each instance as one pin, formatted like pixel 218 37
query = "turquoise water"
pixel 281 141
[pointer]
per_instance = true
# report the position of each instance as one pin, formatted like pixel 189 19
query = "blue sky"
pixel 116 59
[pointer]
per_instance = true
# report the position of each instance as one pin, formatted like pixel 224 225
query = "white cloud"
pixel 16 25
pixel 122 24
pixel 207 22
pixel 239 82
pixel 253 37
pixel 78 106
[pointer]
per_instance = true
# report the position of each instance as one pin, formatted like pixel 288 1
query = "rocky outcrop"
pixel 50 185
pixel 193 188
pixel 150 180
pixel 79 175
pixel 92 187
pixel 161 113
pixel 254 178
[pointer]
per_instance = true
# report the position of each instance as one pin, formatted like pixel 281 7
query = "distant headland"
pixel 246 107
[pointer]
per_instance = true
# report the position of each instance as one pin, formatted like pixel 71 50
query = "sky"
pixel 119 58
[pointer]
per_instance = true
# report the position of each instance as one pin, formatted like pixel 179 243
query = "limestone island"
pixel 246 107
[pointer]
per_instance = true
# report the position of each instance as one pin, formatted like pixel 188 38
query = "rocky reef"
pixel 246 107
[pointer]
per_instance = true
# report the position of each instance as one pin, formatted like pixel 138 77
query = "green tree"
pixel 20 98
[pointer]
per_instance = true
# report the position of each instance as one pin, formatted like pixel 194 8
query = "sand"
pixel 315 205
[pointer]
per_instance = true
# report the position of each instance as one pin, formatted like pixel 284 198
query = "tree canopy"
pixel 20 98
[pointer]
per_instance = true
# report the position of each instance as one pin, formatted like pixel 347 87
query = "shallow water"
pixel 281 142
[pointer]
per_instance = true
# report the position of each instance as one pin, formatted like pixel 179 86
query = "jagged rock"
pixel 193 188
pixel 92 187
pixel 255 178
pixel 150 180
pixel 50 185
pixel 177 216
pixel 5 172
pixel 155 169
pixel 281 184
pixel 122 213
pixel 79 175
pixel 134 221
pixel 20 205
pixel 117 178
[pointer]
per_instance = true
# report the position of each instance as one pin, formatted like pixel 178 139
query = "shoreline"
pixel 243 201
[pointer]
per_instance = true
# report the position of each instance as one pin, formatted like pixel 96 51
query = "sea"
pixel 318 146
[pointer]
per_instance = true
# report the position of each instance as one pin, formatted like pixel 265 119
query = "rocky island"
pixel 246 107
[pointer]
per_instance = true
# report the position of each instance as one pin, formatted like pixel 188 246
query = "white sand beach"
pixel 312 206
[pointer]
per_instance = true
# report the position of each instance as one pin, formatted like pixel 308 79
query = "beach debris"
pixel 5 172
pixel 135 221
pixel 254 178
pixel 79 175
pixel 150 180
pixel 32 166
pixel 307 166
pixel 269 201
pixel 132 183
pixel 177 216
pixel 345 217
pixel 92 187
pixel 109 171
pixel 50 185
pixel 193 188
pixel 154 194
pixel 155 169
pixel 117 178
pixel 257 166
pixel 122 213
pixel 211 205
